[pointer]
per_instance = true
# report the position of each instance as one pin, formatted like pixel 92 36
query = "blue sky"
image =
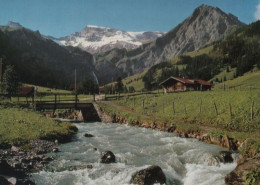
pixel 63 17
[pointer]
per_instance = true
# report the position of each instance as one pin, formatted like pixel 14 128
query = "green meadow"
pixel 19 124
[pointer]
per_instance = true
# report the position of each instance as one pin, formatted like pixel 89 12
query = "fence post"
pixel 200 105
pixel 252 111
pixel 216 109
pixel 54 107
pixel 230 110
pixel 134 102
pixel 173 108
pixel 143 103
pixel 163 107
pixel 34 98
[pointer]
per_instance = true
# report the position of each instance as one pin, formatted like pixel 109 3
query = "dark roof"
pixel 101 88
pixel 188 81
pixel 183 80
pixel 202 82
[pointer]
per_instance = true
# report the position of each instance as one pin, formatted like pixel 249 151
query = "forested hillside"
pixel 240 52
pixel 41 61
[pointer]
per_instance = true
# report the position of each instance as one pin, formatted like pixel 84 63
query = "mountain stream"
pixel 184 161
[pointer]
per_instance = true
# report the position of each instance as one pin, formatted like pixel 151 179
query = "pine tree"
pixel 228 69
pixel 119 85
pixel 10 83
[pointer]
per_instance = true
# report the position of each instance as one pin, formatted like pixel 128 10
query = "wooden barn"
pixel 101 90
pixel 26 91
pixel 177 84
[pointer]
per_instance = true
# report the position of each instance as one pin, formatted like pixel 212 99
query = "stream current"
pixel 184 161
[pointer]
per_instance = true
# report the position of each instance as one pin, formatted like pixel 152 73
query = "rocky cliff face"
pixel 204 26
pixel 96 39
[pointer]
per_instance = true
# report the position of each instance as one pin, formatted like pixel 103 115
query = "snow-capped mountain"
pixel 95 39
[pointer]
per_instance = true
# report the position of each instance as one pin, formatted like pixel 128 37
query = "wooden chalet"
pixel 101 90
pixel 177 84
pixel 26 91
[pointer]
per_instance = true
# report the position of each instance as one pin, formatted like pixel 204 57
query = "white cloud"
pixel 257 12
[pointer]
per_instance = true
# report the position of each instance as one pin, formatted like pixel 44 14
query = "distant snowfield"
pixel 96 38
pixel 118 37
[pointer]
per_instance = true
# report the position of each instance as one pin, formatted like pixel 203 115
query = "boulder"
pixel 12 180
pixel 107 157
pixel 55 150
pixel 88 135
pixel 228 143
pixel 15 149
pixel 226 156
pixel 150 175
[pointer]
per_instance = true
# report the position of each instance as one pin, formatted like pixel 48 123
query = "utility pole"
pixel 75 88
pixel 1 69
pixel 34 98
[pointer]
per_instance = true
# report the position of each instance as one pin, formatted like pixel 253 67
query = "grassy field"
pixel 135 81
pixel 224 74
pixel 46 90
pixel 206 50
pixel 19 124
pixel 48 94
pixel 248 81
pixel 187 107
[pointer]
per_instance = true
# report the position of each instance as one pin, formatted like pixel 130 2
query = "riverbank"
pixel 247 145
pixel 25 137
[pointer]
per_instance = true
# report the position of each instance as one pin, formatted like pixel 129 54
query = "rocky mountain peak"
pixel 205 10
pixel 12 24
pixel 205 25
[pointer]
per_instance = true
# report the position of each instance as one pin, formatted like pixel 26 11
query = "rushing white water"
pixel 184 161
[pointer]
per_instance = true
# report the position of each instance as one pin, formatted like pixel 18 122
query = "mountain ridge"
pixel 97 39
pixel 205 25
pixel 41 61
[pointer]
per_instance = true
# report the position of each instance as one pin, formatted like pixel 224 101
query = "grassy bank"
pixel 230 110
pixel 19 124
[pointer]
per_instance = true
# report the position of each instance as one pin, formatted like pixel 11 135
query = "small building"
pixel 27 91
pixel 177 84
pixel 101 90
pixel 72 87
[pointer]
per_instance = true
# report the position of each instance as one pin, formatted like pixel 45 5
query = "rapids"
pixel 184 161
